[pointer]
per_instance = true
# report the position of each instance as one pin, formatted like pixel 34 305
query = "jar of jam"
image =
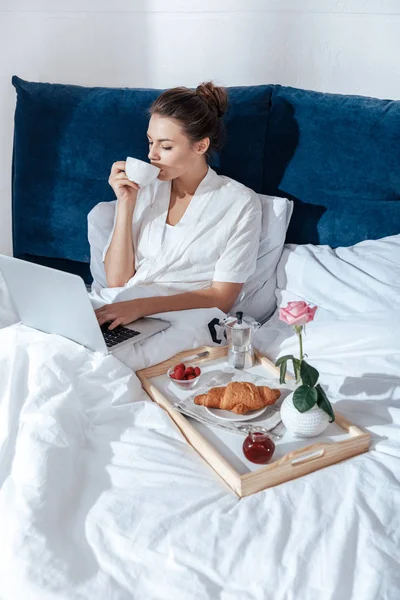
pixel 258 447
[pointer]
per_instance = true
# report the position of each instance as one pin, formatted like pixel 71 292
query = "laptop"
pixel 57 302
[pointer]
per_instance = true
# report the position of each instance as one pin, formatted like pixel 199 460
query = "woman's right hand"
pixel 124 189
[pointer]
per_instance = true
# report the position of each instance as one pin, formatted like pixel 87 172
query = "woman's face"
pixel 170 149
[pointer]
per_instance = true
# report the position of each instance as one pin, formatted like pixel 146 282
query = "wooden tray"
pixel 295 463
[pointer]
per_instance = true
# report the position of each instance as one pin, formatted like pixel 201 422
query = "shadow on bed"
pixel 373 412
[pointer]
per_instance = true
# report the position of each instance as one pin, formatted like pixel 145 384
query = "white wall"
pixel 347 46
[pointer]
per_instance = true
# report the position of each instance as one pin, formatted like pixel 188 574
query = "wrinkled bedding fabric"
pixel 101 496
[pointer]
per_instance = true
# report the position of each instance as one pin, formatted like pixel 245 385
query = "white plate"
pixel 228 415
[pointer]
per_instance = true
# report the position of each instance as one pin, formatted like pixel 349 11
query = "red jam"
pixel 258 447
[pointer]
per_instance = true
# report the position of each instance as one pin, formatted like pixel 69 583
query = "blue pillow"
pixel 66 139
pixel 338 158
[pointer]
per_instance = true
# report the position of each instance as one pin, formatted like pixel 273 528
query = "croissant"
pixel 239 397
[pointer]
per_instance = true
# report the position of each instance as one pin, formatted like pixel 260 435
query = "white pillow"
pixel 257 298
pixel 345 280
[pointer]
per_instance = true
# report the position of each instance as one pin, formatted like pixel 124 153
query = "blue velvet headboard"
pixel 337 157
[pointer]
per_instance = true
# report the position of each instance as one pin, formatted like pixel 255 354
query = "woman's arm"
pixel 119 262
pixel 220 294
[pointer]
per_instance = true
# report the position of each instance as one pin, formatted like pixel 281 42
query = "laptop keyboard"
pixel 117 335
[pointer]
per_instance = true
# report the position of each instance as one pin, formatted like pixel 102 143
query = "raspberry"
pixel 179 374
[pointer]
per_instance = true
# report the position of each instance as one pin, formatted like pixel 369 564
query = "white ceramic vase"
pixel 308 424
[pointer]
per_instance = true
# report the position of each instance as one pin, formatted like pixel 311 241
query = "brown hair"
pixel 198 111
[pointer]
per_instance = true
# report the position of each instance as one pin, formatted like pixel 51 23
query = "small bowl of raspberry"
pixel 184 377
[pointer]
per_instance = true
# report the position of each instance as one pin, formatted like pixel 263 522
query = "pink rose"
pixel 297 313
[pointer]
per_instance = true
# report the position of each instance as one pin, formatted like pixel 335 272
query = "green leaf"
pixel 304 398
pixel 282 372
pixel 296 368
pixel 283 359
pixel 309 375
pixel 324 403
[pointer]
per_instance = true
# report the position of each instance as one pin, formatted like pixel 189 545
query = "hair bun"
pixel 216 97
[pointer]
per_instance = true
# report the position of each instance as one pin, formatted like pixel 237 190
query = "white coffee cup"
pixel 140 172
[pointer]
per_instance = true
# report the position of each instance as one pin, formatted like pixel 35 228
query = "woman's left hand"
pixel 120 313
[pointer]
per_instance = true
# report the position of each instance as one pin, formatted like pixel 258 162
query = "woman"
pixel 190 239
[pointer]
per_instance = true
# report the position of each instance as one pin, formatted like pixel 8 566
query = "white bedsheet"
pixel 102 498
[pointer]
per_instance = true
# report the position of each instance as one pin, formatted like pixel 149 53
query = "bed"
pixel 101 496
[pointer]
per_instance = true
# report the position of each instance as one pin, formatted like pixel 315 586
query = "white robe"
pixel 216 239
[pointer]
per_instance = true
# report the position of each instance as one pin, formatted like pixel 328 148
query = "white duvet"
pixel 102 498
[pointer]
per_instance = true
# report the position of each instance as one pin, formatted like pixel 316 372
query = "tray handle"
pixel 316 452
pixel 308 456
